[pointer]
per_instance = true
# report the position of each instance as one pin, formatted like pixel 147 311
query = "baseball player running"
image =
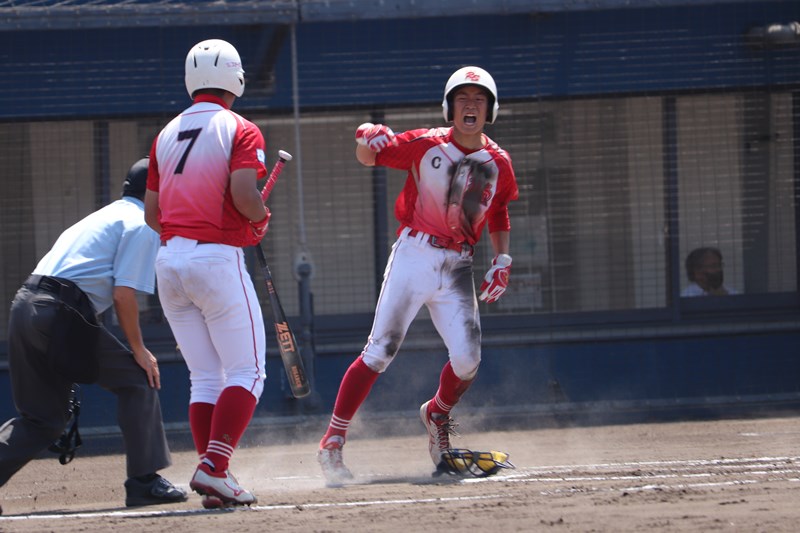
pixel 458 181
pixel 203 200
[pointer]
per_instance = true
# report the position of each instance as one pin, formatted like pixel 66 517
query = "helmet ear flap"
pixel 447 107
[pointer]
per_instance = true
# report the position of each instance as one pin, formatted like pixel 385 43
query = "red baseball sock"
pixel 451 388
pixel 354 389
pixel 200 415
pixel 232 414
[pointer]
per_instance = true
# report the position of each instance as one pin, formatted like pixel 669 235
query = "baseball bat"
pixel 283 157
pixel 287 343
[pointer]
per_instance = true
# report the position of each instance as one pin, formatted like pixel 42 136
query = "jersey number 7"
pixel 182 136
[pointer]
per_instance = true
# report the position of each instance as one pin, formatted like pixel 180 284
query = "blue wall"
pixel 139 71
pixel 597 381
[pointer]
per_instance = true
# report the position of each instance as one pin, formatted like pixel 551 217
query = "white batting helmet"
pixel 214 64
pixel 470 76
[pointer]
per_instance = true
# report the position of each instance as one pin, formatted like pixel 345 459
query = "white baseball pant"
pixel 213 311
pixel 419 274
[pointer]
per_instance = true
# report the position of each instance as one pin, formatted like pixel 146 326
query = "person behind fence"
pixel 203 200
pixel 55 339
pixel 704 272
pixel 458 182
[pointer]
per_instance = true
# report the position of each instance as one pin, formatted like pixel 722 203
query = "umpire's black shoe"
pixel 152 490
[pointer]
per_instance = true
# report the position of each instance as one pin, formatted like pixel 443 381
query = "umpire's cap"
pixel 136 182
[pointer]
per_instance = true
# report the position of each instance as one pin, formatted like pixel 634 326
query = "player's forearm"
pixel 251 207
pixel 127 309
pixel 245 194
pixel 365 156
pixel 501 242
pixel 151 211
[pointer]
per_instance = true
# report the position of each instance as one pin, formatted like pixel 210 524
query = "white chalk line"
pixel 252 508
pixel 520 475
pixel 685 464
pixel 650 475
pixel 675 470
pixel 656 487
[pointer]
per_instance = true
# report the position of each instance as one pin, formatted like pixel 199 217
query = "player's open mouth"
pixel 469 120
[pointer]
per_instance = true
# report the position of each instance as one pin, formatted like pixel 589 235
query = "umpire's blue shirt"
pixel 111 247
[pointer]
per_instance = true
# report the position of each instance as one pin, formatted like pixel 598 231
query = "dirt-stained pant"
pixel 42 397
pixel 419 274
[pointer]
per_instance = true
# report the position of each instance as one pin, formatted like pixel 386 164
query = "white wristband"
pixel 502 260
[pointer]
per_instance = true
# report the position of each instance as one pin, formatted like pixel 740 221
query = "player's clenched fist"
pixel 375 136
pixel 260 228
pixel 495 281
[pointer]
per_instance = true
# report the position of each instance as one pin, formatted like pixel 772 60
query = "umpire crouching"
pixel 55 340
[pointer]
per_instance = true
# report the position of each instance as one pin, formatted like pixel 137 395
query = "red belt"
pixel 441 242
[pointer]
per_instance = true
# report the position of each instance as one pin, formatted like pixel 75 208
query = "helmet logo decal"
pixel 471 76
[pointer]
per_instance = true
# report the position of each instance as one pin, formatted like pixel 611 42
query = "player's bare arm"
pixel 365 156
pixel 151 210
pixel 127 309
pixel 245 194
pixel 500 242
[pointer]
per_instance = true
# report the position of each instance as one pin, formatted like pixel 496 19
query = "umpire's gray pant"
pixel 42 397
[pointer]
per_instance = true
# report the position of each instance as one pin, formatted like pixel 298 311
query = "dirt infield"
pixel 729 475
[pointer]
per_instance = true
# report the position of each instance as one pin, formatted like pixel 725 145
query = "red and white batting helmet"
pixel 214 64
pixel 470 76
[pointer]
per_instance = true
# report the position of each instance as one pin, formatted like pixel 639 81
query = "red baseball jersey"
pixel 191 161
pixel 431 156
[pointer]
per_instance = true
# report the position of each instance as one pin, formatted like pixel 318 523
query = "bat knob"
pixel 286 156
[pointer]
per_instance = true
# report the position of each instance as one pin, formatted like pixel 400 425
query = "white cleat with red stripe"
pixel 221 485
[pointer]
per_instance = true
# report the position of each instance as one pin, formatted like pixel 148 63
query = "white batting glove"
pixel 495 281
pixel 375 136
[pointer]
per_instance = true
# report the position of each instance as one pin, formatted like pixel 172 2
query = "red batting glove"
pixel 495 281
pixel 375 136
pixel 260 228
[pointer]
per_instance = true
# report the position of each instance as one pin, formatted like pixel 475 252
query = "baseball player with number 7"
pixel 203 200
pixel 459 181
